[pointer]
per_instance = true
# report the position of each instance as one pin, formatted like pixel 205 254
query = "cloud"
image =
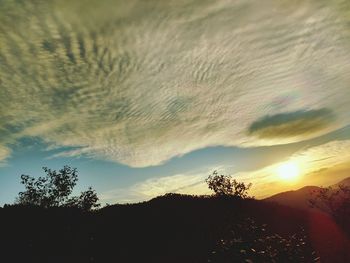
pixel 324 156
pixel 4 154
pixel 139 82
pixel 319 165
pixel 292 124
pixel 180 183
pixel 329 176
pixel 192 182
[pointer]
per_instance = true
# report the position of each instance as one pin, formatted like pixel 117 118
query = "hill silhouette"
pixel 345 181
pixel 300 198
pixel 46 224
pixel 170 228
pixel 297 198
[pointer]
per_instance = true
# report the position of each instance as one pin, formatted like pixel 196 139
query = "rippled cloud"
pixel 139 82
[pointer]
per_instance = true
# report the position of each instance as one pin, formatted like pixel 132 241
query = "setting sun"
pixel 288 171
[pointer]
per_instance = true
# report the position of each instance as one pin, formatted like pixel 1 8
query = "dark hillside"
pixel 172 228
pixel 300 198
pixel 345 182
pixel 297 199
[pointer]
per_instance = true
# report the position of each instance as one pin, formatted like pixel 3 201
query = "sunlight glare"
pixel 288 171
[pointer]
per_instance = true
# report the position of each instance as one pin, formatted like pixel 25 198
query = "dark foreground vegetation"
pixel 226 227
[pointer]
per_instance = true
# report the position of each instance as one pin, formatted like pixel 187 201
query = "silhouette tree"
pixel 335 201
pixel 54 190
pixel 224 185
pixel 86 201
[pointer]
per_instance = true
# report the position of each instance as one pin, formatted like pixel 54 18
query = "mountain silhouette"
pixel 300 198
pixel 345 182
pixel 172 228
pixel 176 228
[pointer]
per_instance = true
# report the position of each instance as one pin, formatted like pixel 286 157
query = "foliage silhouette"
pixel 172 228
pixel 334 201
pixel 248 241
pixel 224 185
pixel 54 190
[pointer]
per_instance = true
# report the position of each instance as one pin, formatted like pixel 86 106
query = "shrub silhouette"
pixel 248 241
pixel 224 185
pixel 54 190
pixel 335 201
pixel 173 228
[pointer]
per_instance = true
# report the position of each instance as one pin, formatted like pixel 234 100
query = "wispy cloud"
pixel 192 182
pixel 320 165
pixel 4 154
pixel 323 156
pixel 140 82
pixel 323 164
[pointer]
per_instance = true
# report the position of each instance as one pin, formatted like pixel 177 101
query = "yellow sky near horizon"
pixel 322 165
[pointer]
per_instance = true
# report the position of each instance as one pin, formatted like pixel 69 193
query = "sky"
pixel 149 97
